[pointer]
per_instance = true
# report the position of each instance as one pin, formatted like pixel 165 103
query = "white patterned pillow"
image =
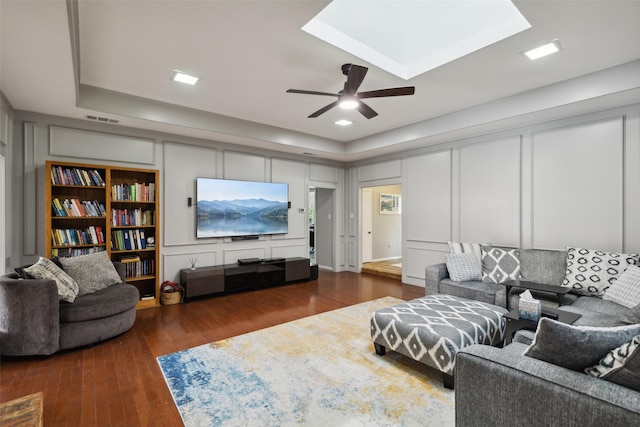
pixel 591 272
pixel 500 265
pixel 626 290
pixel 463 248
pixel 92 272
pixel 620 365
pixel 463 267
pixel 46 269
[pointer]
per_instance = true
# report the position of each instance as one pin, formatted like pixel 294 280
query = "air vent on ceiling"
pixel 103 119
pixel 308 154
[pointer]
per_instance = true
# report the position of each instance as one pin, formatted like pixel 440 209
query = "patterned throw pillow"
pixel 92 272
pixel 626 290
pixel 464 248
pixel 500 265
pixel 46 269
pixel 463 267
pixel 591 272
pixel 621 365
pixel 576 347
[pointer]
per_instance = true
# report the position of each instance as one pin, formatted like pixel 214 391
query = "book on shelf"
pixel 76 176
pixel 77 208
pixel 125 240
pixel 137 192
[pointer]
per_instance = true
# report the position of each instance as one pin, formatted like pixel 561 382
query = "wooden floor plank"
pixel 119 382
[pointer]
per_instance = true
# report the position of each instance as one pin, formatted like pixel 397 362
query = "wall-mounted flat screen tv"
pixel 229 208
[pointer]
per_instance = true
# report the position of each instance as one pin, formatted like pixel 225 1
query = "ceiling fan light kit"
pixel 350 98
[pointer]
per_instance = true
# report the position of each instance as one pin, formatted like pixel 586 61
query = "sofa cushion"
pixel 500 265
pixel 490 293
pixel 543 266
pixel 92 272
pixel 576 347
pixel 591 272
pixel 463 248
pixel 103 303
pixel 597 312
pixel 626 290
pixel 621 365
pixel 46 269
pixel 463 267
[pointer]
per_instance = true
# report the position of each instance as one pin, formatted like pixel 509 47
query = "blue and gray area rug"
pixel 317 371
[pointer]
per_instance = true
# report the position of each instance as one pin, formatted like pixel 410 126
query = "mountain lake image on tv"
pixel 229 208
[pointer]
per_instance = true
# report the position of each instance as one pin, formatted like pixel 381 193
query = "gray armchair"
pixel 34 322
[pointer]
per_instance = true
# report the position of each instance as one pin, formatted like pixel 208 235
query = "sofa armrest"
pixel 502 387
pixel 433 275
pixel 29 316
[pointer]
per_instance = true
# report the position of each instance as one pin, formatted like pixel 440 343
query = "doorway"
pixel 381 233
pixel 321 228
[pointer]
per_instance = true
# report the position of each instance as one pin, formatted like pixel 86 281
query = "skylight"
pixel 408 38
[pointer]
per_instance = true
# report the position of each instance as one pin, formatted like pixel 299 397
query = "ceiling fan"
pixel 349 97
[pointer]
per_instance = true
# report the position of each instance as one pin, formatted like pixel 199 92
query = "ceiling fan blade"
pixel 311 92
pixel 354 79
pixel 397 91
pixel 323 110
pixel 366 111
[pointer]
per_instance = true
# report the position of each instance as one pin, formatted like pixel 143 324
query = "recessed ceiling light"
pixel 544 50
pixel 343 122
pixel 179 76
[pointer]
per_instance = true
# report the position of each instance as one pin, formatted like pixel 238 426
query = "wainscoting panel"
pixel 290 172
pixel 489 192
pixel 29 193
pixel 427 204
pixel 416 260
pixel 578 186
pixel 233 255
pixel 243 166
pixel 382 170
pixel 323 173
pixel 86 144
pixel 183 164
pixel 290 251
pixel 172 264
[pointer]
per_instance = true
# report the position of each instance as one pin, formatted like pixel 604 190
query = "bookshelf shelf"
pixel 76 195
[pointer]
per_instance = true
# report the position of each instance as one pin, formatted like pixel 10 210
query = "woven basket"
pixel 170 298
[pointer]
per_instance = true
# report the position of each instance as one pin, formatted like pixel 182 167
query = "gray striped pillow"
pixel 463 248
pixel 463 267
pixel 626 290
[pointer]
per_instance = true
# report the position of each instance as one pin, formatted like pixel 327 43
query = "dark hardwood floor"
pixel 118 382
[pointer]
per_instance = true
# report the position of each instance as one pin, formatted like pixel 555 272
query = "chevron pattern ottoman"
pixel 432 329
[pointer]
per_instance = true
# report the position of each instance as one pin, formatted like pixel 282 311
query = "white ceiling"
pixel 248 53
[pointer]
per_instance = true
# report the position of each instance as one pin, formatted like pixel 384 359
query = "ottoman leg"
pixel 380 350
pixel 447 381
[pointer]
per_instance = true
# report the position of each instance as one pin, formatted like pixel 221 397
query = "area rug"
pixel 321 370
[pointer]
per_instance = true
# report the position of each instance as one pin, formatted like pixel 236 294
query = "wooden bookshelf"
pixel 94 208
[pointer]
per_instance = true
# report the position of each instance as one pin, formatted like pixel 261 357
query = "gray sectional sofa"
pixel 34 322
pixel 501 386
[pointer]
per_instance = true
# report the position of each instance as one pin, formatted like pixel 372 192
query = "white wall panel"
pixel 578 186
pixel 233 255
pixel 184 163
pixel 243 166
pixel 489 193
pixel 30 194
pixel 291 251
pixel 416 260
pixel 100 146
pixel 290 172
pixel 382 170
pixel 172 264
pixel 324 173
pixel 427 201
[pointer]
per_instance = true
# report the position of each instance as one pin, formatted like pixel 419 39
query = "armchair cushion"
pixel 46 269
pixel 92 272
pixel 576 347
pixel 621 365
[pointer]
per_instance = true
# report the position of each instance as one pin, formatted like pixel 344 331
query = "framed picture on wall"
pixel 390 204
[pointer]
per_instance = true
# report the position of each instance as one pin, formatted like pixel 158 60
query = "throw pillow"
pixel 626 289
pixel 590 272
pixel 46 269
pixel 632 316
pixel 463 248
pixel 500 265
pixel 24 275
pixel 463 267
pixel 576 347
pixel 92 272
pixel 621 365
